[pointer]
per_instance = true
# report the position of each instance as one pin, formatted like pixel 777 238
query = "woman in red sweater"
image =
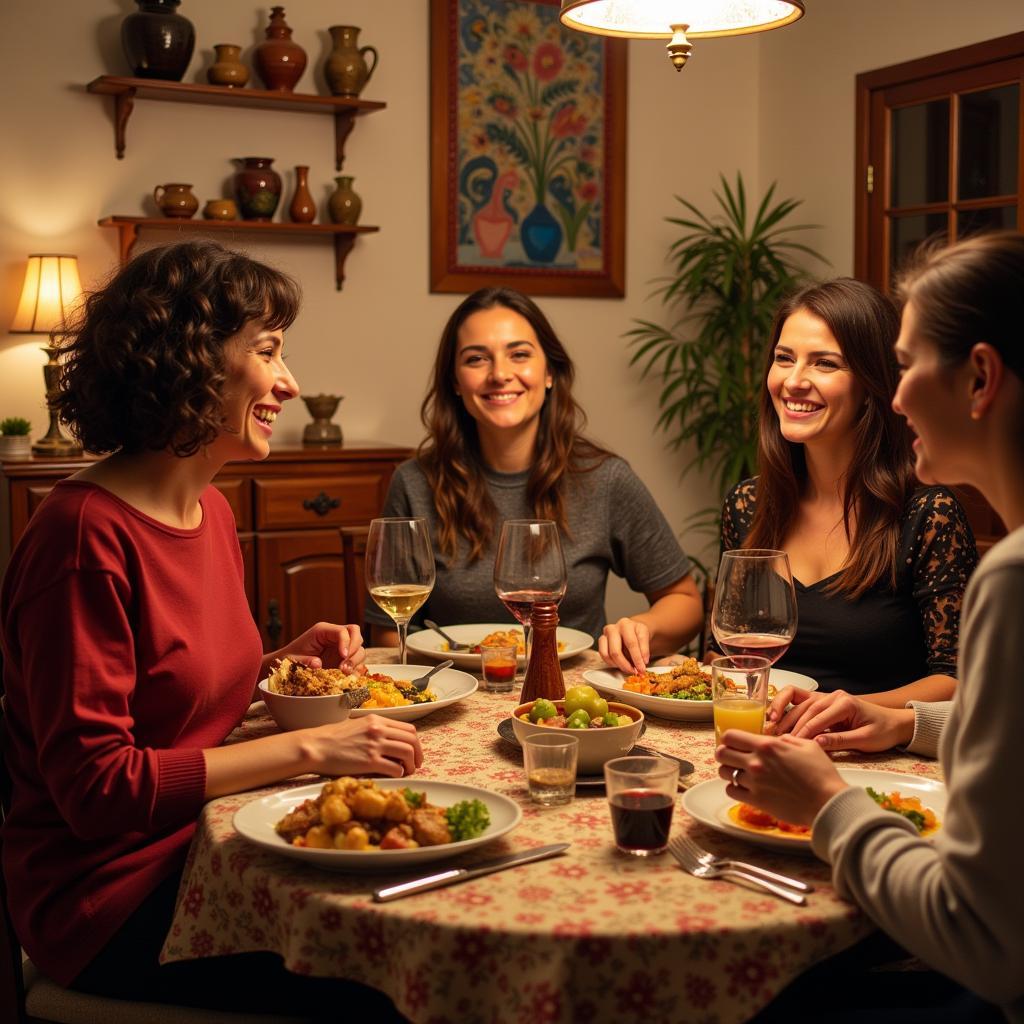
pixel 129 649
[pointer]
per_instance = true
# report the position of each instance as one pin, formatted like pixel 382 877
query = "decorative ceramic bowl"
pixel 596 745
pixel 304 712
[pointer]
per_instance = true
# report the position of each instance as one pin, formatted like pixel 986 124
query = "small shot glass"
pixel 550 764
pixel 642 795
pixel 498 667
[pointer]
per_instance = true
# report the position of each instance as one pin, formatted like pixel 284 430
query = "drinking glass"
pixel 550 764
pixel 529 569
pixel 399 569
pixel 498 667
pixel 739 693
pixel 755 603
pixel 642 795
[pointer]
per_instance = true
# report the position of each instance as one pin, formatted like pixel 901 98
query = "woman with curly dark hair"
pixel 880 563
pixel 505 441
pixel 129 649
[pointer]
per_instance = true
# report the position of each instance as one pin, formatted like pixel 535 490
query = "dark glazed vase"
pixel 158 41
pixel 279 61
pixel 344 206
pixel 257 188
pixel 541 234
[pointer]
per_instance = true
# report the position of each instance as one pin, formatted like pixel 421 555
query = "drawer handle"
pixel 321 504
pixel 274 623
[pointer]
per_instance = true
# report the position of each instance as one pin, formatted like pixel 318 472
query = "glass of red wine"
pixel 641 795
pixel 755 603
pixel 529 568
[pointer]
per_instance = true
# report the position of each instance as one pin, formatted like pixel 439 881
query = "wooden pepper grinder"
pixel 544 672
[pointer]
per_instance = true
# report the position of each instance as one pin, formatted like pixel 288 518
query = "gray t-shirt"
pixel 615 527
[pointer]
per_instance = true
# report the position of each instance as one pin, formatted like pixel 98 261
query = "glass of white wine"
pixel 399 569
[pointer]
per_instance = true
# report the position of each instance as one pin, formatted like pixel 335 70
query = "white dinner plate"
pixel 255 821
pixel 609 682
pixel 708 803
pixel 449 684
pixel 432 645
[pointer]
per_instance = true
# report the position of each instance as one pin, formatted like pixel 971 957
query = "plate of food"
pixel 298 697
pixel 352 824
pixel 679 692
pixel 430 644
pixel 920 800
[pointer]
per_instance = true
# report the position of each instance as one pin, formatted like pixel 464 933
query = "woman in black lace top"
pixel 879 564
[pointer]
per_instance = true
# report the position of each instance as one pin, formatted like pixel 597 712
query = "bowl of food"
pixel 605 729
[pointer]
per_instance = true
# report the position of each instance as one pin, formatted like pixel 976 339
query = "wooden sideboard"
pixel 289 510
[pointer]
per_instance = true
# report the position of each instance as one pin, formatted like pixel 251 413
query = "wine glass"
pixel 755 603
pixel 529 568
pixel 399 569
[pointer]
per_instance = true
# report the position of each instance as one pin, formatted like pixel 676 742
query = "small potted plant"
pixel 14 438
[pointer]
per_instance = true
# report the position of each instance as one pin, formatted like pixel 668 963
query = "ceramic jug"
pixel 302 209
pixel 346 69
pixel 228 70
pixel 257 188
pixel 175 200
pixel 158 41
pixel 344 205
pixel 279 61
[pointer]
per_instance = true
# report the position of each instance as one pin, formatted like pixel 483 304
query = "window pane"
pixel 970 222
pixel 909 232
pixel 920 154
pixel 988 142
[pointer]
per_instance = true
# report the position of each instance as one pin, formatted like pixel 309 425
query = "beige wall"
pixel 777 106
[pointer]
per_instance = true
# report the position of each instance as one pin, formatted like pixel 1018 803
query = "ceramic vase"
pixel 228 69
pixel 322 430
pixel 257 188
pixel 175 200
pixel 344 205
pixel 279 61
pixel 346 69
pixel 302 209
pixel 158 41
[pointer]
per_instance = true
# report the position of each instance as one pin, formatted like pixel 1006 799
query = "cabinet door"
pixel 301 581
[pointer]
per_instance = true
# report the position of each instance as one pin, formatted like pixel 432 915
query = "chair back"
pixel 353 552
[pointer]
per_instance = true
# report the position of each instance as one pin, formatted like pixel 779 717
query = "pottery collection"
pixel 279 61
pixel 346 69
pixel 302 209
pixel 257 188
pixel 220 209
pixel 228 70
pixel 158 41
pixel 175 200
pixel 344 205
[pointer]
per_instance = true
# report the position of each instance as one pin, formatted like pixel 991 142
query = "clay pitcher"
pixel 175 200
pixel 228 70
pixel 344 205
pixel 346 69
pixel 279 61
pixel 257 188
pixel 302 209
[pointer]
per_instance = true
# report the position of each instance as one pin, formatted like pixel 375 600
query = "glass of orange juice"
pixel 739 692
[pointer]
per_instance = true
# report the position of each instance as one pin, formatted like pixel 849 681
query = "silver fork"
pixel 701 870
pixel 705 857
pixel 453 644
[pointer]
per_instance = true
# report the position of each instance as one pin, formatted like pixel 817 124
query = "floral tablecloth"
pixel 592 935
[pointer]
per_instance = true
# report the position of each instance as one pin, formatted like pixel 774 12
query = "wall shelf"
pixel 344 236
pixel 126 90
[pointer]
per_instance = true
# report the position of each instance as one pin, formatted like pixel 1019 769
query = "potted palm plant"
pixel 15 442
pixel 729 272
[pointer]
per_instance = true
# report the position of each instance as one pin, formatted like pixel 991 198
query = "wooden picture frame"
pixel 527 151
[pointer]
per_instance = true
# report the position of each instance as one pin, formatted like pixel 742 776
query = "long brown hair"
pixel 450 453
pixel 880 478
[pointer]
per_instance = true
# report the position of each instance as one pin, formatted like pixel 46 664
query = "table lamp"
pixel 52 286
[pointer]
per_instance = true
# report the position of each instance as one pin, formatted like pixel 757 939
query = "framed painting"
pixel 527 151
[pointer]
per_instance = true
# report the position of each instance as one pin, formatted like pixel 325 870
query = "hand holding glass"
pixel 739 693
pixel 399 569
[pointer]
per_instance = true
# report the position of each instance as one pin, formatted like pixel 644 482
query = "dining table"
pixel 593 934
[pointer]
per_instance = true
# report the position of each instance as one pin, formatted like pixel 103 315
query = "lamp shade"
pixel 52 286
pixel 656 19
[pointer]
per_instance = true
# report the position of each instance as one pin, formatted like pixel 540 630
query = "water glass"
pixel 642 795
pixel 550 764
pixel 498 667
pixel 739 692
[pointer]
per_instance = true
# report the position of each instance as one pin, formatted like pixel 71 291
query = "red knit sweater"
pixel 128 648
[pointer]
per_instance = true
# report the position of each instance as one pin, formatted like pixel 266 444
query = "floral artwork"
pixel 532 180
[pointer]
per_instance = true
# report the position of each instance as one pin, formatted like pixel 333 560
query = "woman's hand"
pixel 626 645
pixel 785 776
pixel 839 721
pixel 325 645
pixel 372 745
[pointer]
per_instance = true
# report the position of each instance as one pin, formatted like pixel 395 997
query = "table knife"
pixel 453 875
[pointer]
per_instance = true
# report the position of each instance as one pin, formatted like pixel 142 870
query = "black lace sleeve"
pixel 738 514
pixel 941 555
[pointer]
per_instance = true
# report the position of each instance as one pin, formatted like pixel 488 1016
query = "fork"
pixel 699 869
pixel 453 644
pixel 705 857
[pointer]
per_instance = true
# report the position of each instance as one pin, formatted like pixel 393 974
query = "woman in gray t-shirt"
pixel 504 441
